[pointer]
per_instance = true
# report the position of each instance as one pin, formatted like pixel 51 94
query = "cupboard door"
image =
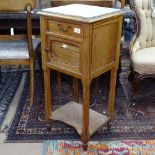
pixel 63 52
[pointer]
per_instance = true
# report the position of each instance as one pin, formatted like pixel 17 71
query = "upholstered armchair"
pixel 142 47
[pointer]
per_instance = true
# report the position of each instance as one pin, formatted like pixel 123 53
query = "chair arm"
pixel 135 36
pixel 132 42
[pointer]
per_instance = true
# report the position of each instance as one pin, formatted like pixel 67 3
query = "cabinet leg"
pixel 112 93
pixel 85 122
pixel 47 88
pixel 85 147
pixel 75 89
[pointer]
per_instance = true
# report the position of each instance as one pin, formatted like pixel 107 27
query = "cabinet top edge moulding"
pixel 81 12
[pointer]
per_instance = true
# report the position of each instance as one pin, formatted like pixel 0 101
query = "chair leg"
pixel 130 76
pixel 118 73
pixel 136 82
pixel 31 83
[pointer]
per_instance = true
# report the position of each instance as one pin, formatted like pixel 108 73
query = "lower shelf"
pixel 71 114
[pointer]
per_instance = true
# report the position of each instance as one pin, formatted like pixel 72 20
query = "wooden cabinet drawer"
pixel 64 51
pixel 65 28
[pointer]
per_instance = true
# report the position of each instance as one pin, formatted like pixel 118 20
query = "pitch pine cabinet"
pixel 84 42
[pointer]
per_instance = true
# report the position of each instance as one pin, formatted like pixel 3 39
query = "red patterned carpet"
pixel 100 148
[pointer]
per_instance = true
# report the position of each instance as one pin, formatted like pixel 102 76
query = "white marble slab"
pixel 81 10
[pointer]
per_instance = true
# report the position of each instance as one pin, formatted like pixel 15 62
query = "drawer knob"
pixel 63 29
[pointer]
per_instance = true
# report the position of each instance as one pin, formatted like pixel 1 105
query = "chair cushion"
pixel 143 61
pixel 16 49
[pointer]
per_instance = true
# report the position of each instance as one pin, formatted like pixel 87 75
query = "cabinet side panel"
pixel 105 40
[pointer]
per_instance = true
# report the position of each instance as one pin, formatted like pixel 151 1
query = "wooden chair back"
pixel 18 49
pixel 21 6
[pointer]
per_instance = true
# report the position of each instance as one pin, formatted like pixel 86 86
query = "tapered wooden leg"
pixel 75 89
pixel 85 124
pixel 112 93
pixel 31 83
pixel 59 84
pixel 47 88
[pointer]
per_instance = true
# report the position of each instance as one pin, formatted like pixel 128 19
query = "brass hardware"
pixel 63 29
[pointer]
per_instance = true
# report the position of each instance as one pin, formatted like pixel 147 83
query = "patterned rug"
pixel 126 147
pixel 9 83
pixel 130 122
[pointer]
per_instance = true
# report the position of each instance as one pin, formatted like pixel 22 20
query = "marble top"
pixel 81 10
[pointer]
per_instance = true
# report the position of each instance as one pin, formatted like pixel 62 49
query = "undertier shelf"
pixel 72 113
